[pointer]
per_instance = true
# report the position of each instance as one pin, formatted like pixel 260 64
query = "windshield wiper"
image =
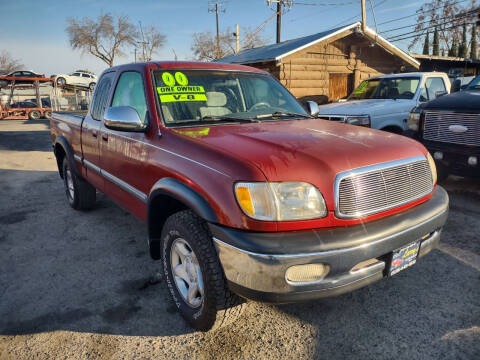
pixel 278 114
pixel 218 118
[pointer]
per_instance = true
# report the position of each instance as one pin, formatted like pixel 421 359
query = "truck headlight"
pixel 280 201
pixel 433 167
pixel 413 120
pixel 360 120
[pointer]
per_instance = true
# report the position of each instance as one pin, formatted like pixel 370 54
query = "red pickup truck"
pixel 246 194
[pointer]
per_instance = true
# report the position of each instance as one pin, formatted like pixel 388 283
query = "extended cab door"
pixel 91 131
pixel 124 154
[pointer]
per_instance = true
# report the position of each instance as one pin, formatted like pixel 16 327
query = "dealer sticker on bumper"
pixel 404 257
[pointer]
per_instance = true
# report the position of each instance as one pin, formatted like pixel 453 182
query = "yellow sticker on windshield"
pixel 180 90
pixel 182 97
pixel 168 79
pixel 181 78
pixel 361 89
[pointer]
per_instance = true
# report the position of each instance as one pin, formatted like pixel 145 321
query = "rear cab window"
pixel 100 98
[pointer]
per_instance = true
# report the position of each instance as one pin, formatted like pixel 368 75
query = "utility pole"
pixel 216 10
pixel 364 18
pixel 237 37
pixel 279 21
pixel 280 5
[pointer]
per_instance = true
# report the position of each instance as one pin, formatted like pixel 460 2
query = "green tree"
pixel 473 50
pixel 453 52
pixel 426 45
pixel 463 48
pixel 436 43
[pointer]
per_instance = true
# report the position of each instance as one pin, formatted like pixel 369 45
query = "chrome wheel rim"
pixel 69 183
pixel 186 273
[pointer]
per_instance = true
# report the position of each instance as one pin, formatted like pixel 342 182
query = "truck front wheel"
pixel 80 194
pixel 194 275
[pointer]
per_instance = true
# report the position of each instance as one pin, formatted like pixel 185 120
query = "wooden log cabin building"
pixel 327 66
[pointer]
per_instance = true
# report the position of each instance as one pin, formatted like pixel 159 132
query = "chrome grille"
pixel 438 127
pixel 365 191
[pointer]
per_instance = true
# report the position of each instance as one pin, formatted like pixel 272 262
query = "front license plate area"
pixel 404 258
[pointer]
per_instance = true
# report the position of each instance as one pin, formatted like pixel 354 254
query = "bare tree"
pixel 8 63
pixel 105 37
pixel 446 16
pixel 152 41
pixel 204 44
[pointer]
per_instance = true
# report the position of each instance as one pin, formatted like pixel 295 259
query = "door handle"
pixel 94 133
pixel 105 137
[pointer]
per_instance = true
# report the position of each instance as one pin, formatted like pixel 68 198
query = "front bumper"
pixel 255 263
pixel 455 158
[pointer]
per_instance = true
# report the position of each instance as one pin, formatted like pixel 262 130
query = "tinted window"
pixel 17 73
pixel 28 73
pixel 85 75
pixel 130 92
pixel 99 103
pixel 76 74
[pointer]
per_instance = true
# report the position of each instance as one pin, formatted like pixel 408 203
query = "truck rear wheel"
pixel 194 275
pixel 80 194
pixel 34 115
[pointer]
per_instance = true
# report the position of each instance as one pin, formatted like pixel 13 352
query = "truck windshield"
pixel 197 97
pixel 386 88
pixel 474 84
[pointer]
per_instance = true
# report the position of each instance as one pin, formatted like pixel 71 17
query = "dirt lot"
pixel 81 285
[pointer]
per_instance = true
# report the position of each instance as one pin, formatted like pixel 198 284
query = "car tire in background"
pixel 194 275
pixel 91 86
pixel 34 115
pixel 61 81
pixel 47 114
pixel 80 194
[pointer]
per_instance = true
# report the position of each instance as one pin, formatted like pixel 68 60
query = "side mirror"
pixel 312 108
pixel 123 118
pixel 456 86
pixel 440 93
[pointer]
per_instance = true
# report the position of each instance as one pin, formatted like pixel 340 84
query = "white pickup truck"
pixel 384 102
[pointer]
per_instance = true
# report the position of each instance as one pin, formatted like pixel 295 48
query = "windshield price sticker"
pixel 361 89
pixel 181 92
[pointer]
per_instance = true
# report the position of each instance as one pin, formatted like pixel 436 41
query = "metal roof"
pixel 276 52
pixel 284 48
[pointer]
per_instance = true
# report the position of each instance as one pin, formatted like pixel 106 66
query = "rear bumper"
pixel 255 263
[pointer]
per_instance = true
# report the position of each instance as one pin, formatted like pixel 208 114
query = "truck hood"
pixel 313 151
pixel 366 107
pixel 462 101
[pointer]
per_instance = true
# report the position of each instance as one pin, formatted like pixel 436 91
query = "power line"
pixel 325 4
pixel 423 29
pixel 423 22
pixel 421 12
pixel 424 33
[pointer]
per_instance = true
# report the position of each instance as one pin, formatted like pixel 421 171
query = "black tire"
pixel 219 306
pixel 47 114
pixel 61 81
pixel 80 194
pixel 91 86
pixel 34 115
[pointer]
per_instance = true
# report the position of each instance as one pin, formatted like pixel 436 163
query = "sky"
pixel 33 31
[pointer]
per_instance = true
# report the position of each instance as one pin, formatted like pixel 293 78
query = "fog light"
pixel 472 161
pixel 438 155
pixel 306 273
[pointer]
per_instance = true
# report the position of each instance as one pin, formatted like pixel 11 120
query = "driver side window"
pixel 130 92
pixel 431 88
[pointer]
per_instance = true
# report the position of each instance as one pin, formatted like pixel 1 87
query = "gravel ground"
pixel 79 285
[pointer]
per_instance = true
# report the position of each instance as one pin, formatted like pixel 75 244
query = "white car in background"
pixel 384 102
pixel 77 78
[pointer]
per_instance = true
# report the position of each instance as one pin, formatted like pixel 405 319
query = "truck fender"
pixel 62 141
pixel 183 196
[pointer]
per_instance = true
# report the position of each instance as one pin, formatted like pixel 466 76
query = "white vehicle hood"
pixel 370 107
